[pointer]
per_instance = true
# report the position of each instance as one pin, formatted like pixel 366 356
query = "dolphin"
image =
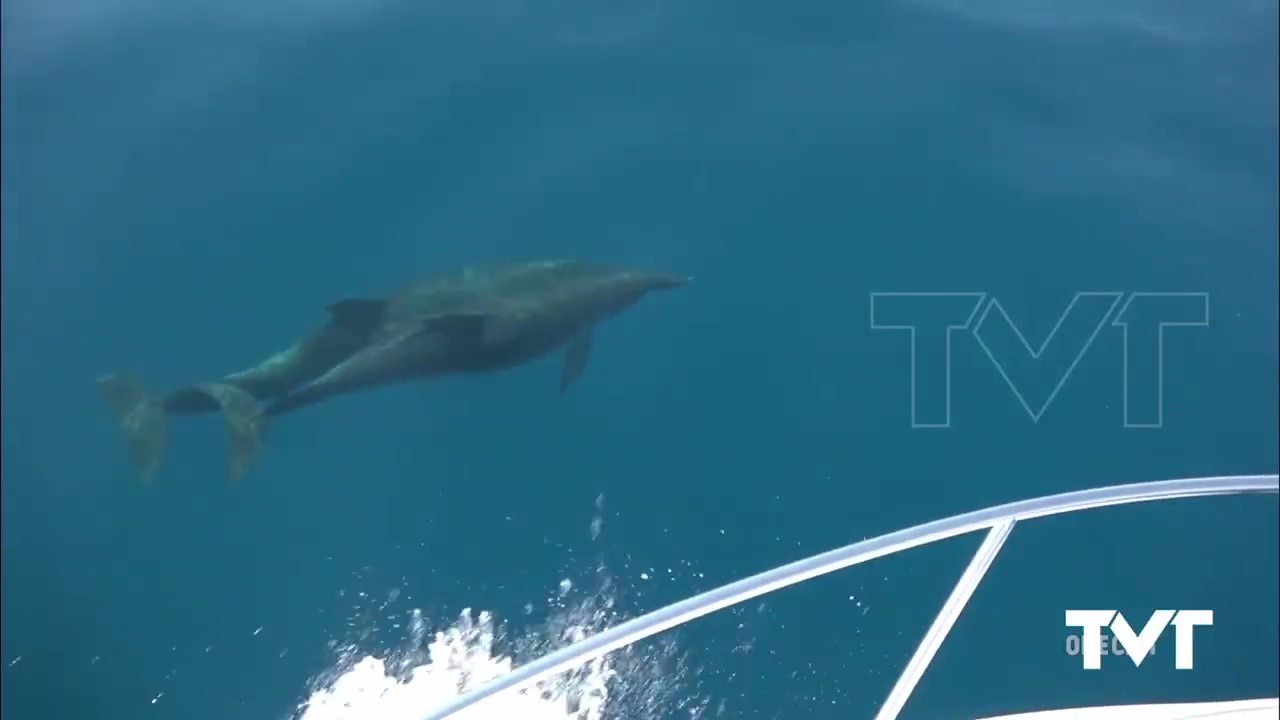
pixel 481 320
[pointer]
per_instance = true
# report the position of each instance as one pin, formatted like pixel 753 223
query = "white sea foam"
pixel 459 658
pixel 402 685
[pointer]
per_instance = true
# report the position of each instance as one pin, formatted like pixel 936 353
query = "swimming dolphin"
pixel 482 320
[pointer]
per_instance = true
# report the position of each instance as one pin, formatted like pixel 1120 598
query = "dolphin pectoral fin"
pixel 358 313
pixel 575 360
pixel 463 327
pixel 246 424
pixel 142 419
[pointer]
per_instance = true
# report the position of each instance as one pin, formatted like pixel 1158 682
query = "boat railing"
pixel 997 521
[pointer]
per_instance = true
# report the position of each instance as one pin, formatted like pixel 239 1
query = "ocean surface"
pixel 186 187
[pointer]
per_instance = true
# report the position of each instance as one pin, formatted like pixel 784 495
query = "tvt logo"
pixel 1136 645
pixel 933 320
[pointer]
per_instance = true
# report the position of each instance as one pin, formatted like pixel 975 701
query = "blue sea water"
pixel 186 186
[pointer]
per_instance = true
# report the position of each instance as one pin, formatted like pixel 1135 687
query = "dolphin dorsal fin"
pixel 358 313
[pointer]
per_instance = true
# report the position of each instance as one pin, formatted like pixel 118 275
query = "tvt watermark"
pixel 1136 645
pixel 933 318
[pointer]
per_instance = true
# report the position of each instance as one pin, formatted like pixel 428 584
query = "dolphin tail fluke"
pixel 246 426
pixel 145 421
pixel 142 419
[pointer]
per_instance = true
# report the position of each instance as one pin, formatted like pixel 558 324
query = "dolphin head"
pixel 639 284
pixel 642 283
pixel 666 281
pixel 626 288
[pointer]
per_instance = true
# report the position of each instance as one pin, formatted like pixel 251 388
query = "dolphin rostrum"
pixel 482 320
